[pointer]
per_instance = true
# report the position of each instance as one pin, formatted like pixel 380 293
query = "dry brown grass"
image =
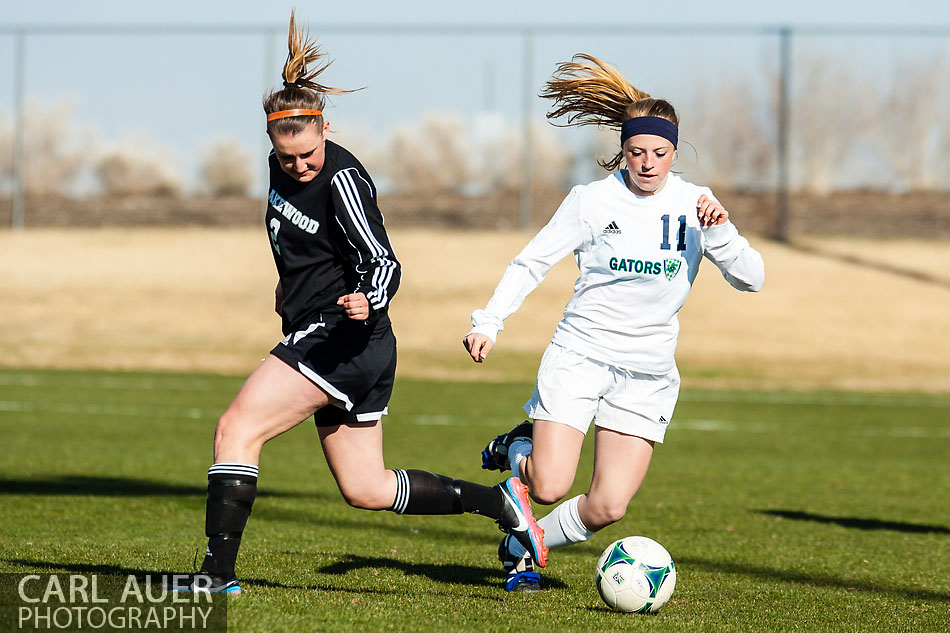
pixel 201 299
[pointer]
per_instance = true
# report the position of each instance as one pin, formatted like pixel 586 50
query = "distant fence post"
pixel 784 112
pixel 18 206
pixel 270 68
pixel 524 219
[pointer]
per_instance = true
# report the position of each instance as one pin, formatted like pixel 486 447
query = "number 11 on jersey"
pixel 681 234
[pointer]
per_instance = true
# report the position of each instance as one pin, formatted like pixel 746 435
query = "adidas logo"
pixel 612 228
pixel 662 420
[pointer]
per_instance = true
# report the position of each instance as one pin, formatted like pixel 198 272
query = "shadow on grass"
pixel 50 567
pixel 383 522
pixel 857 523
pixel 322 508
pixel 142 575
pixel 115 487
pixel 450 573
pixel 809 580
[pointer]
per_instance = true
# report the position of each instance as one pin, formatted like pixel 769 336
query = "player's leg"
pixel 354 453
pixel 549 466
pixel 563 403
pixel 620 465
pixel 632 416
pixel 274 399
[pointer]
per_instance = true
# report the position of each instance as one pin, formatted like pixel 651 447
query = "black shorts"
pixel 354 362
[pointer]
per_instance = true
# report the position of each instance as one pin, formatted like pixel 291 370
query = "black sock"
pixel 421 492
pixel 231 491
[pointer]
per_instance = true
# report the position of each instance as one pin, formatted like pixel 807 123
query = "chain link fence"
pixel 798 131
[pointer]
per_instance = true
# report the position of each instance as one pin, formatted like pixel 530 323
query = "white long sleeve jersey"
pixel 637 257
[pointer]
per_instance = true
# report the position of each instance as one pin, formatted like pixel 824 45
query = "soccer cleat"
pixel 495 455
pixel 517 519
pixel 523 582
pixel 521 576
pixel 206 583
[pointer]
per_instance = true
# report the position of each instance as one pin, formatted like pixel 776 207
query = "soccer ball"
pixel 635 575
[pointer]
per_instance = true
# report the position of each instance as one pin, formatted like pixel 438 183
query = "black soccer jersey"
pixel 328 239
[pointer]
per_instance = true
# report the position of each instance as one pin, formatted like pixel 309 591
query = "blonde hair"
pixel 305 62
pixel 592 92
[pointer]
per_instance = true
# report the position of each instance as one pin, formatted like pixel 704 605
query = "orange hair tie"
pixel 283 114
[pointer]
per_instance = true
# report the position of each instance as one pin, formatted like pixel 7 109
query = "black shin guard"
pixel 421 492
pixel 230 497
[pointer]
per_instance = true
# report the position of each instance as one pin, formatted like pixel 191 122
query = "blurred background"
pixel 133 154
pixel 816 118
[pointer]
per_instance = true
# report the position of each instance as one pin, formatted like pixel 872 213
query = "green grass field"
pixel 783 511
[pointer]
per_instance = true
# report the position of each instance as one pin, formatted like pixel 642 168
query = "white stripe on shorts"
pixel 302 333
pixel 371 416
pixel 318 380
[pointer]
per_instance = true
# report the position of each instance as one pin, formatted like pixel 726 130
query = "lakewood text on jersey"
pixel 291 212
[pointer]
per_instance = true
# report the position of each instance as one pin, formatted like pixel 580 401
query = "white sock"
pixel 518 450
pixel 562 527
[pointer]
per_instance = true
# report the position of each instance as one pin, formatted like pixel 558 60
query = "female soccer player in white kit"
pixel 638 237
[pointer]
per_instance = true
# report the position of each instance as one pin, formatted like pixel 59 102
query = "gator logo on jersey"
pixel 671 267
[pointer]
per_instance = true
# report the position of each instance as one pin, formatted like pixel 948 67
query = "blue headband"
pixel 649 125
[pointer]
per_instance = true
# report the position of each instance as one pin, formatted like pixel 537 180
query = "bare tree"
pixel 551 160
pixel 428 156
pixel 226 170
pixel 133 167
pixel 914 137
pixel 833 110
pixel 54 155
pixel 442 153
pixel 727 134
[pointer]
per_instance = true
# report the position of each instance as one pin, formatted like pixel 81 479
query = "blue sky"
pixel 185 91
pixel 724 12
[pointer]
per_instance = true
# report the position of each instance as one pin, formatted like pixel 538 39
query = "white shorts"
pixel 573 389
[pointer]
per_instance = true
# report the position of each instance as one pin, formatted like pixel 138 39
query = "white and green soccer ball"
pixel 635 575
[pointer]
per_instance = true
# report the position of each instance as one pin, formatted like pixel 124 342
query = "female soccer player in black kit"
pixel 338 275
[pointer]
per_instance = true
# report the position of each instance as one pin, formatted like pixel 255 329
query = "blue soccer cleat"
pixel 495 455
pixel 206 583
pixel 521 576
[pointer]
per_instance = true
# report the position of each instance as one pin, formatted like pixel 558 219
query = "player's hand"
pixel 710 212
pixel 279 299
pixel 478 346
pixel 356 306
